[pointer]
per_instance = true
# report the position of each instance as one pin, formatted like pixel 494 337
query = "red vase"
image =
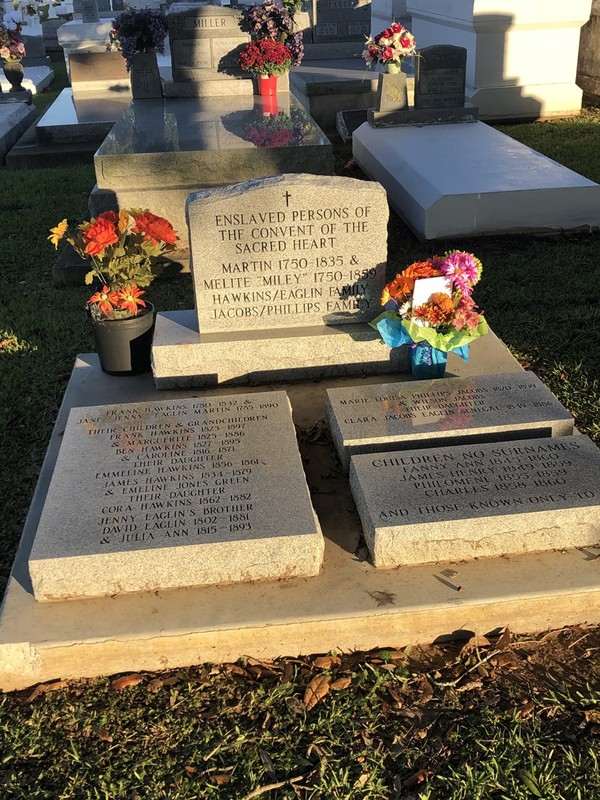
pixel 267 85
pixel 268 105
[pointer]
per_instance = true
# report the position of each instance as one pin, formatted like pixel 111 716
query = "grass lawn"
pixel 500 719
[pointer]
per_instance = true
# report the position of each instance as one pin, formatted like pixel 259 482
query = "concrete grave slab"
pixel 85 117
pixel 155 157
pixel 447 181
pixel 174 494
pixel 15 118
pixel 482 408
pixel 349 605
pixel 291 251
pixel 474 501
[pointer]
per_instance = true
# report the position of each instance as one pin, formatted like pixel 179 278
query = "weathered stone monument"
pixel 474 501
pixel 439 91
pixel 287 272
pixel 173 494
pixel 342 21
pixel 402 416
pixel 205 41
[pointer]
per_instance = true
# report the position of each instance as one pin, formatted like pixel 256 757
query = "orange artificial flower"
pixel 123 220
pixel 129 299
pixel 154 228
pixel 439 310
pixel 106 300
pixel 101 233
pixel 404 283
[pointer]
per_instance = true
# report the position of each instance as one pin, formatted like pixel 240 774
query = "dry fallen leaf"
pixel 127 680
pixel 341 683
pixel 46 687
pixel 325 662
pixel 525 710
pixel 221 779
pixel 102 734
pixel 316 690
pixel 416 778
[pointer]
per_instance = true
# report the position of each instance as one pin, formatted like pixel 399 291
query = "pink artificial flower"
pixel 462 268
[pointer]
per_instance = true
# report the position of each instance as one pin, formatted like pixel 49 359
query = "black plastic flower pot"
pixel 124 345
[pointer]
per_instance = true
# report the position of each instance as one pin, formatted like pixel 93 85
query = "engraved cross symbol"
pixel 287 196
pixel 144 70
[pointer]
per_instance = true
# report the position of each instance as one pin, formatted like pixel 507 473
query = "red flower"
pixel 387 54
pixel 129 299
pixel 106 300
pixel 396 27
pixel 101 233
pixel 154 228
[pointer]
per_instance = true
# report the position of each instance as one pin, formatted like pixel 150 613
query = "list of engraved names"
pixel 186 470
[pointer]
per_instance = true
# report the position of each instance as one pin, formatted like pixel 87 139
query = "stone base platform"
pixel 181 357
pixel 449 181
pixel 326 87
pixel 358 606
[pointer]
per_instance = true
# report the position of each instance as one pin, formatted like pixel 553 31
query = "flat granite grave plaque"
pixel 288 251
pixel 464 502
pixel 436 413
pixel 175 493
pixel 440 76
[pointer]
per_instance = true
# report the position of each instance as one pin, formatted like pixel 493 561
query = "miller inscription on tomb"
pixel 288 251
pixel 165 494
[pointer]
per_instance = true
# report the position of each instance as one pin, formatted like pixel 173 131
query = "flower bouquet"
pixel 138 31
pixel 429 307
pixel 265 57
pixel 273 21
pixel 11 47
pixel 389 47
pixel 125 250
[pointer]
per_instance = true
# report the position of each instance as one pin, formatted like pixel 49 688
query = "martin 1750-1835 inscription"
pixel 159 495
pixel 288 251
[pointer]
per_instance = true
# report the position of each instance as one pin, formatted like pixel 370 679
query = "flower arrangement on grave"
pixel 265 57
pixel 270 20
pixel 277 130
pixel 138 31
pixel 11 47
pixel 389 47
pixel 429 306
pixel 30 8
pixel 125 250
